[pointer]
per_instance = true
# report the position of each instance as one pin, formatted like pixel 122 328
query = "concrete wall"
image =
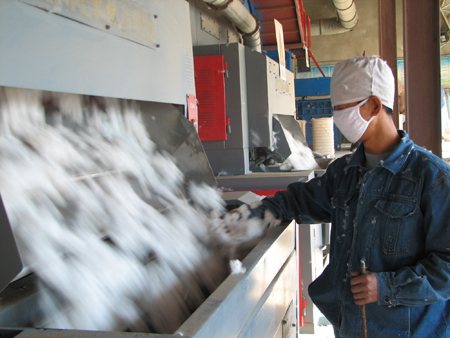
pixel 333 48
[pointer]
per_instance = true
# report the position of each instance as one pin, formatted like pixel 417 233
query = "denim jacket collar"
pixel 395 160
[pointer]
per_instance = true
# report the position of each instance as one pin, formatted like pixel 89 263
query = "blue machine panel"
pixel 312 87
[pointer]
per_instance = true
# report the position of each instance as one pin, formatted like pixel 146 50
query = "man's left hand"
pixel 364 287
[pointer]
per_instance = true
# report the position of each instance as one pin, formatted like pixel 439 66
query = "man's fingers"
pixel 361 279
pixel 358 288
pixel 353 273
pixel 364 288
pixel 360 295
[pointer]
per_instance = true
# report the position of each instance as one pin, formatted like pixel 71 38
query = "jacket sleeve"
pixel 428 281
pixel 307 203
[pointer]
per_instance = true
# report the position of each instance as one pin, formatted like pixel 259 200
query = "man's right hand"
pixel 243 224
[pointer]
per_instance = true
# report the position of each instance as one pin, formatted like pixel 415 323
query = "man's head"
pixel 361 88
pixel 356 79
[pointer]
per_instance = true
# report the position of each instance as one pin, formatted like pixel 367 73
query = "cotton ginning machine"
pixel 117 80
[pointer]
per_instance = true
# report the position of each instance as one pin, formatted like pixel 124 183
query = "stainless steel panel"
pixel 19 303
pixel 268 316
pixel 210 26
pixel 242 304
pixel 259 114
pixel 10 263
pixel 310 249
pixel 236 302
pixel 122 18
pixel 289 324
pixel 42 50
pixel 45 333
pixel 228 161
pixel 262 181
pixel 200 11
pixel 268 95
pixel 290 124
pixel 233 37
pixel 173 133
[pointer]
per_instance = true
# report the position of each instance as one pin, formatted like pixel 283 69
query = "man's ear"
pixel 376 105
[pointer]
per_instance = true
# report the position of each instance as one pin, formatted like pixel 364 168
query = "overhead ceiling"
pixel 289 14
pixel 292 14
pixel 329 49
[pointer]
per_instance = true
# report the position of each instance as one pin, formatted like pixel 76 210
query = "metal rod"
pixel 298 11
pixel 314 59
pixel 309 32
pixel 274 33
pixel 363 307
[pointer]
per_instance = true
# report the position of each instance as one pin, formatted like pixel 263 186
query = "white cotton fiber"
pixel 98 214
pixel 236 267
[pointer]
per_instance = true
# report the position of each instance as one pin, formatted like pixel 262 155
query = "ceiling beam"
pixel 273 33
pixel 289 46
pixel 273 8
pixel 280 20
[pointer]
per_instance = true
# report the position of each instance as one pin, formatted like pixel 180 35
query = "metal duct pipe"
pixel 247 23
pixel 346 20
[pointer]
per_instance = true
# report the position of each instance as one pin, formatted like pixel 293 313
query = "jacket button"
pixel 387 300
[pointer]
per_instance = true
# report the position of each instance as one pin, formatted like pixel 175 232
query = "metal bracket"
pixel 289 328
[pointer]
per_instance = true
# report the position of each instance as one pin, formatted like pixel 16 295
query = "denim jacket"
pixel 396 218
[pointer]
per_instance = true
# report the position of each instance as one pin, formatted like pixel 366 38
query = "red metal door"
pixel 210 88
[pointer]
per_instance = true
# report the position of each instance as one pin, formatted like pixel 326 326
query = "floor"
pixel 321 332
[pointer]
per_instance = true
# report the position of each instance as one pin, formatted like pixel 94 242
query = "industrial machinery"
pixel 109 57
pixel 255 97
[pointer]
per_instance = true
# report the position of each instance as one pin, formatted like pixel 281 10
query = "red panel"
pixel 267 193
pixel 271 3
pixel 192 109
pixel 210 88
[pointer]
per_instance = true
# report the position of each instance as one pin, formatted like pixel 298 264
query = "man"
pixel 389 205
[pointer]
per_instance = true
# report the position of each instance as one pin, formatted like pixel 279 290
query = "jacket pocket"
pixel 388 322
pixel 395 230
pixel 340 203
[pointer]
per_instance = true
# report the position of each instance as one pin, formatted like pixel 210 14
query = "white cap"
pixel 356 79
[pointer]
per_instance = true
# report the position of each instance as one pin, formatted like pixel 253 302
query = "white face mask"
pixel 351 123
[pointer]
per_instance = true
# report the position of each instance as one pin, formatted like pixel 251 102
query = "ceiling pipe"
pixel 346 20
pixel 246 22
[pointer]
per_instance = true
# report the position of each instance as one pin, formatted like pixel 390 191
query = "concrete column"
pixel 422 73
pixel 387 38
